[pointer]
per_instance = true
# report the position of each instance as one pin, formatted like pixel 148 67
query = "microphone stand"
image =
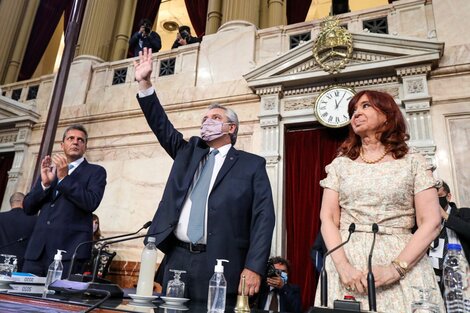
pixel 370 276
pixel 323 274
pixel 72 261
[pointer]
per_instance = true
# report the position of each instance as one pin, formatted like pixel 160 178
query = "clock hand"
pixel 342 98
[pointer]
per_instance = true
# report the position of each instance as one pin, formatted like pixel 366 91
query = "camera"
pixel 271 271
pixel 147 29
pixel 185 35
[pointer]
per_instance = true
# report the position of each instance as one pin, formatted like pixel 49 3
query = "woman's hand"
pixel 351 277
pixel 383 275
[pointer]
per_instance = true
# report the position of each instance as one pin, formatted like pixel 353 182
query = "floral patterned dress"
pixel 380 193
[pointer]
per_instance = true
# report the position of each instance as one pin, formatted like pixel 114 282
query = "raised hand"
pixel 143 67
pixel 48 171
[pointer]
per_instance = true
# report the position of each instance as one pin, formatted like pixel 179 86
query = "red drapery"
pixel 47 17
pixel 307 154
pixel 144 9
pixel 197 11
pixel 297 10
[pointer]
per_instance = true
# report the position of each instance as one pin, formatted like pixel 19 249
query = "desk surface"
pixel 62 304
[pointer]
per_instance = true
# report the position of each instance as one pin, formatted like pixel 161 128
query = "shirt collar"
pixel 76 163
pixel 223 150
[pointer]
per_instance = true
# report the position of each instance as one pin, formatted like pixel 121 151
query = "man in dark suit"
pixel 236 220
pixel 67 193
pixel 145 37
pixel 15 229
pixel 277 294
pixel 455 229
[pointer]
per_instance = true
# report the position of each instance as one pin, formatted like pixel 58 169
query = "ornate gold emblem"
pixel 333 47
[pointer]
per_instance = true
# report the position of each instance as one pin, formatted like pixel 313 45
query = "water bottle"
pixel 454 276
pixel 54 272
pixel 148 265
pixel 217 289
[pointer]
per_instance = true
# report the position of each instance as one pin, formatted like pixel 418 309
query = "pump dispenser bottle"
pixel 217 289
pixel 54 272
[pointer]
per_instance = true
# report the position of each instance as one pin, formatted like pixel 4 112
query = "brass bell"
pixel 242 300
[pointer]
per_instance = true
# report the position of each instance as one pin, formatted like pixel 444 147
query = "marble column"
pixel 11 17
pixel 270 118
pixel 417 104
pixel 214 16
pixel 276 10
pixel 96 35
pixel 124 30
pixel 13 67
pixel 21 144
pixel 246 10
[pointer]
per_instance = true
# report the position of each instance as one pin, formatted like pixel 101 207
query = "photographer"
pixel 184 37
pixel 145 37
pixel 276 293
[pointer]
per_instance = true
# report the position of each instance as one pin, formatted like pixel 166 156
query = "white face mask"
pixel 212 129
pixel 95 227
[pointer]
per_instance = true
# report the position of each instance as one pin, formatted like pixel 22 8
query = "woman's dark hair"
pixel 392 134
pixel 97 233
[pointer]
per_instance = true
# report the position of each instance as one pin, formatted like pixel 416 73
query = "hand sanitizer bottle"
pixel 54 272
pixel 217 289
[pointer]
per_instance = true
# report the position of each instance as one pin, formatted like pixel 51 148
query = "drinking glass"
pixel 8 266
pixel 424 304
pixel 175 286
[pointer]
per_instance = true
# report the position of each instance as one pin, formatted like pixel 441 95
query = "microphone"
pixel 323 275
pixel 370 276
pixel 72 261
pixel 107 243
pixel 11 243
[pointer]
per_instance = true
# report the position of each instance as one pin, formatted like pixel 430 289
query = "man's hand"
pixel 60 161
pixel 275 282
pixel 48 172
pixel 143 68
pixel 252 282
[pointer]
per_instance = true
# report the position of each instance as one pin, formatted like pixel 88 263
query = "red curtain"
pixel 47 17
pixel 297 10
pixel 6 161
pixel 197 11
pixel 144 9
pixel 308 151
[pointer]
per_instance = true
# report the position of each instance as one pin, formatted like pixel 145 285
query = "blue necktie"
pixel 199 199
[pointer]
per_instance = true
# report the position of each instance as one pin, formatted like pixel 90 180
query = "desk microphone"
pixel 370 276
pixel 72 261
pixel 107 243
pixel 323 275
pixel 11 243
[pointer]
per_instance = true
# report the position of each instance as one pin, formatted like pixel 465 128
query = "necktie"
pixel 274 305
pixel 199 199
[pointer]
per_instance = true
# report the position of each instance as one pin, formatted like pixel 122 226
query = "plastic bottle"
pixel 454 275
pixel 148 264
pixel 217 289
pixel 54 272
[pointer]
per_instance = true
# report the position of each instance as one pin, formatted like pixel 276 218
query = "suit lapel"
pixel 230 160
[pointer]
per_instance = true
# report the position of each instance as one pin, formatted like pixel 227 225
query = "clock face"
pixel 331 106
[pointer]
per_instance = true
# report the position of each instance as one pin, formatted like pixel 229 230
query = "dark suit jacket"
pixel 14 225
pixel 240 218
pixel 151 41
pixel 65 219
pixel 459 221
pixel 289 298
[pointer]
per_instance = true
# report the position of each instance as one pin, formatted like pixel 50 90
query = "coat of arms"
pixel 333 47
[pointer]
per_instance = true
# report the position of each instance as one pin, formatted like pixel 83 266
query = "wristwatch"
pixel 401 267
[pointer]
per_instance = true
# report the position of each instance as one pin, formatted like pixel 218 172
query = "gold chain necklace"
pixel 361 154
